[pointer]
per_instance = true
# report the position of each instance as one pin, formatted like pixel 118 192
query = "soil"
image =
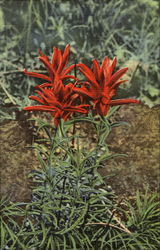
pixel 139 140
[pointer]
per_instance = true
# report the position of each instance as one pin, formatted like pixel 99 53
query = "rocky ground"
pixel 139 140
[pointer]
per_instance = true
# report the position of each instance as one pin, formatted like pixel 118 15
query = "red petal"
pixel 44 85
pixel 65 58
pixel 117 75
pixel 66 115
pixel 88 73
pixel 56 119
pixel 66 71
pixel 102 109
pixel 37 75
pixel 46 95
pixel 106 70
pixel 49 67
pixel 85 92
pixel 60 61
pixel 35 98
pixel 96 69
pixel 41 108
pixel 54 58
pixel 56 122
pixel 59 56
pixel 105 63
pixel 40 52
pixel 90 76
pixel 123 101
pixel 68 76
pixel 76 109
pixel 115 85
pixel 113 65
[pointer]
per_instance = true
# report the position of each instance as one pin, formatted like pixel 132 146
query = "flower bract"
pixel 101 85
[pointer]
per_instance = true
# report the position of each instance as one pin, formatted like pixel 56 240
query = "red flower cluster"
pixel 63 100
pixel 57 69
pixel 55 97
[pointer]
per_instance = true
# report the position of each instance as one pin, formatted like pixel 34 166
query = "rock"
pixel 16 160
pixel 140 141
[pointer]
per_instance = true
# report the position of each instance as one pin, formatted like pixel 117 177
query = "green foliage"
pixel 10 229
pixel 55 220
pixel 143 219
pixel 70 206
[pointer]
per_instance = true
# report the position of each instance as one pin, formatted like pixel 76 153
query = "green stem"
pixel 60 205
pixel 74 124
pixel 28 28
pixel 62 134
pixel 7 94
pixel 73 133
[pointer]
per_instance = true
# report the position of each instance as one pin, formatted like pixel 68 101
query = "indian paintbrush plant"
pixel 70 207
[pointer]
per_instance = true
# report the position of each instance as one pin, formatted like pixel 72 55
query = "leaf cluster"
pixel 41 224
pixel 70 206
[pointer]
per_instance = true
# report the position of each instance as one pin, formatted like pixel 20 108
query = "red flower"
pixel 61 100
pixel 57 69
pixel 61 103
pixel 102 85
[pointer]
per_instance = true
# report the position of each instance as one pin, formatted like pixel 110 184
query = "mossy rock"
pixel 140 141
pixel 17 159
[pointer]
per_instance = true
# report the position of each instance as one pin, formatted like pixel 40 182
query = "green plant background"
pixel 125 29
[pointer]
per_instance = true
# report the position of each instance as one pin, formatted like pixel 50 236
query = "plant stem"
pixel 124 229
pixel 73 133
pixel 60 205
pixel 74 124
pixel 19 71
pixel 7 94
